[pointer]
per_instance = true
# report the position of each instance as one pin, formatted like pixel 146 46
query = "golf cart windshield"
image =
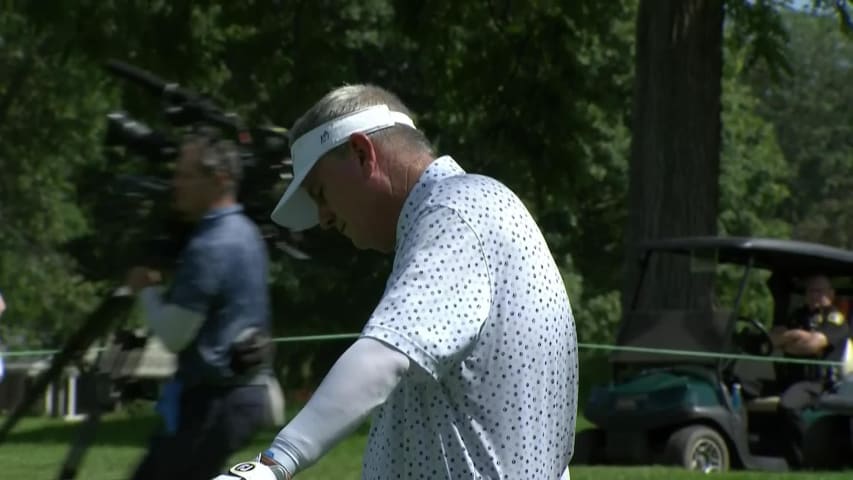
pixel 696 315
pixel 706 288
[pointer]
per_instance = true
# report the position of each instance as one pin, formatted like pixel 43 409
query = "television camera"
pixel 264 152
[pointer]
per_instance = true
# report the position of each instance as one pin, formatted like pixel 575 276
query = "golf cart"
pixel 693 382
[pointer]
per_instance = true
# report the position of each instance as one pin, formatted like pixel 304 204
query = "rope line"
pixel 586 346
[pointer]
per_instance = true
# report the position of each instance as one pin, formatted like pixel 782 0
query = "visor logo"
pixel 324 137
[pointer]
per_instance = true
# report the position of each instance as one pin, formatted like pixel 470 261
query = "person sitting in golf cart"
pixel 818 331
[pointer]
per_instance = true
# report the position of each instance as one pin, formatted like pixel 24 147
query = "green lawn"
pixel 37 447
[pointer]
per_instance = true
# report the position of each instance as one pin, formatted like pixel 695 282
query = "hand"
pixel 253 470
pixel 141 277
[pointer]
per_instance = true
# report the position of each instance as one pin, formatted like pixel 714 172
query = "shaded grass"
pixel 38 446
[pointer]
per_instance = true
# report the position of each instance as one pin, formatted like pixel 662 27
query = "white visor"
pixel 296 210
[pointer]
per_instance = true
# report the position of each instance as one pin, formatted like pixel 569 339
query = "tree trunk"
pixel 675 149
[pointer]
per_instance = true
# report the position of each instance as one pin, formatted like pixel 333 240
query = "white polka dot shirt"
pixel 476 301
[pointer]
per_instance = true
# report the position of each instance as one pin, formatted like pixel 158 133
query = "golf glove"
pixel 254 470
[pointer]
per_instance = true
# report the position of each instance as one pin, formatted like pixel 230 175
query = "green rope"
pixel 315 338
pixel 27 353
pixel 714 355
pixel 587 346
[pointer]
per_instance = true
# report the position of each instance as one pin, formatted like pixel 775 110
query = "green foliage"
pixel 810 113
pixel 598 318
pixel 547 119
pixel 756 29
pixel 753 188
pixel 48 137
pixel 753 172
pixel 537 95
pixel 596 315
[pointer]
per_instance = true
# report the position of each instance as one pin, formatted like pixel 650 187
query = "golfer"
pixel 468 365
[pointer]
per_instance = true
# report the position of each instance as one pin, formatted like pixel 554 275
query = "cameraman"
pixel 218 300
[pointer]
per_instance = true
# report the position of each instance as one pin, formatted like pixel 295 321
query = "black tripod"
pixel 113 308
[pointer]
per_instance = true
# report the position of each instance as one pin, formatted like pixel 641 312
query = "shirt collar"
pixel 221 212
pixel 440 168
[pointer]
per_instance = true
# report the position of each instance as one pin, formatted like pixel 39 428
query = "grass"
pixel 37 447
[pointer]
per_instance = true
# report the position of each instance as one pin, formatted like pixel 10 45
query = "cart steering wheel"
pixel 759 332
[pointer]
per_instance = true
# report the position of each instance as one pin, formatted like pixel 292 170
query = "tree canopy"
pixel 538 95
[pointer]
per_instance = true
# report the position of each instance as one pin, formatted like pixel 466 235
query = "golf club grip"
pixel 116 304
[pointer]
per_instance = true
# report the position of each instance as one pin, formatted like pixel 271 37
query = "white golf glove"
pixel 254 471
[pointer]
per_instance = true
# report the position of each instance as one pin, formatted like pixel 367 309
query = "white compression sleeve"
pixel 174 325
pixel 361 380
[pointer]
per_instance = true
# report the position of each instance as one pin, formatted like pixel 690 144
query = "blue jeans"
pixel 214 423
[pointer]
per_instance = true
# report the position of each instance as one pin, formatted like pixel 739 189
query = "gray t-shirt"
pixel 476 301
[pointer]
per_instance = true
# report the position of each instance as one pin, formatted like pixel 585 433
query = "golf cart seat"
pixel 771 403
pixel 763 404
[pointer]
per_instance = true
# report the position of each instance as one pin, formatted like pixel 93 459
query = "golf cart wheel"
pixel 698 448
pixel 589 447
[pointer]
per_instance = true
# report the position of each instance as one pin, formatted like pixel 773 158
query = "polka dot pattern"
pixel 476 301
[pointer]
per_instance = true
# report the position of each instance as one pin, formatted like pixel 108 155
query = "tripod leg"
pixel 100 392
pixel 113 307
pixel 82 442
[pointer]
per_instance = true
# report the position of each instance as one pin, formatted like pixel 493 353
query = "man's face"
pixel 195 190
pixel 819 292
pixel 342 190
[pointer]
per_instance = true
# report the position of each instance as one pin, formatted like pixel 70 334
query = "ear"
pixel 365 153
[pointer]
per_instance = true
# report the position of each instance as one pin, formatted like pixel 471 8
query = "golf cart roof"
pixel 769 253
pixel 708 328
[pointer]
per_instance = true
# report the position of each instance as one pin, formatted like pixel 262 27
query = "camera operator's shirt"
pixel 476 301
pixel 828 321
pixel 221 274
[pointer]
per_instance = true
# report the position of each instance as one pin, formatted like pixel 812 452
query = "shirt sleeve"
pixel 836 330
pixel 197 279
pixel 361 380
pixel 175 326
pixel 438 295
